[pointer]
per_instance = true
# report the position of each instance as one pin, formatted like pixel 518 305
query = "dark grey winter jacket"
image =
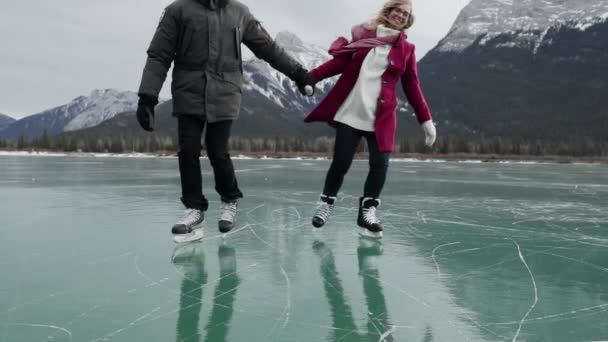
pixel 203 39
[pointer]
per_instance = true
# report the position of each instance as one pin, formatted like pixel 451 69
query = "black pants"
pixel 190 131
pixel 347 141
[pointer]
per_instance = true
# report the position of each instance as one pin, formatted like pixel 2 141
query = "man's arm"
pixel 257 39
pixel 160 54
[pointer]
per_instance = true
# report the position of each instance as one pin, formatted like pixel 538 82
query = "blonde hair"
pixel 382 17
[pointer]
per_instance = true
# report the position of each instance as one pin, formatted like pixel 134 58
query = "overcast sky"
pixel 54 51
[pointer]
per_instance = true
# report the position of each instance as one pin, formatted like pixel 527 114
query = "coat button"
pixel 392 62
pixel 381 101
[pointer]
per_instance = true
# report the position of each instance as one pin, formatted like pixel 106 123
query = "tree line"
pixel 445 145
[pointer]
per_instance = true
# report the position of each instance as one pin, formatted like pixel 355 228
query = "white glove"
pixel 309 90
pixel 430 133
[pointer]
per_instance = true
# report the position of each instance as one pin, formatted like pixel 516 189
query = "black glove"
pixel 303 79
pixel 145 111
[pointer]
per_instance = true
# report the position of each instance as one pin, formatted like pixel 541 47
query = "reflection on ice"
pixel 191 260
pixel 344 326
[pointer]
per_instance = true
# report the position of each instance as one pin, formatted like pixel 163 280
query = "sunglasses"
pixel 400 11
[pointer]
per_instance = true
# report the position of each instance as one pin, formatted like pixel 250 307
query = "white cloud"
pixel 55 51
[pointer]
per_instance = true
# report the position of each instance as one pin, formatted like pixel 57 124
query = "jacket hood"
pixel 214 4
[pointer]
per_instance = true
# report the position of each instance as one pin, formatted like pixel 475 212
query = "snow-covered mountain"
pixel 5 121
pixel 528 20
pixel 261 78
pixel 532 69
pixel 82 112
pixel 101 105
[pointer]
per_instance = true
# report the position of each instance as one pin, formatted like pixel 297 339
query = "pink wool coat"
pixel 402 66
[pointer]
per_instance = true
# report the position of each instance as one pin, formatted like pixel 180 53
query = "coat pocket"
pixel 195 42
pixel 187 81
pixel 237 41
pixel 233 81
pixel 231 50
pixel 387 104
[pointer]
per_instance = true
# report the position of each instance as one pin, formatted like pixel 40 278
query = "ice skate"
pixel 227 216
pixel 369 225
pixel 323 211
pixel 189 228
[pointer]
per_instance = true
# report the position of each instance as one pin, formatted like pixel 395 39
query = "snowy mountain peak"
pixel 105 93
pixel 262 78
pixel 81 112
pixel 5 121
pixel 529 18
pixel 288 39
pixel 305 52
pixel 5 117
pixel 100 105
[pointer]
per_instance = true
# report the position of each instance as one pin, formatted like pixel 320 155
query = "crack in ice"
pixel 521 323
pixel 66 331
pixel 435 260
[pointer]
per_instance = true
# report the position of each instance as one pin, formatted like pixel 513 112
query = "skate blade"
pixel 372 235
pixel 196 235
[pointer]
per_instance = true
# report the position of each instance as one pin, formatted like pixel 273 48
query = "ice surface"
pixel 471 252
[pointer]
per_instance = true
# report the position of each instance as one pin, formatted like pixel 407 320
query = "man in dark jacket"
pixel 203 39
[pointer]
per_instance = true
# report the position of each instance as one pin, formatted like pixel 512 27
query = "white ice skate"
pixel 189 228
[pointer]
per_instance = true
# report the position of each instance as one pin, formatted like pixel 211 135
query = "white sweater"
pixel 359 108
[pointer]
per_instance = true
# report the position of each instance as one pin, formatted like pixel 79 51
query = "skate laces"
pixel 228 211
pixel 323 210
pixel 190 217
pixel 369 215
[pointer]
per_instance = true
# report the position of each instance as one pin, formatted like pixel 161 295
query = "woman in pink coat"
pixel 363 103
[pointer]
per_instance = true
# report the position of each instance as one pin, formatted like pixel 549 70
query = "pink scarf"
pixel 341 46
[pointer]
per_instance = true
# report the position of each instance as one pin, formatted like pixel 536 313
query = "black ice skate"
pixel 367 219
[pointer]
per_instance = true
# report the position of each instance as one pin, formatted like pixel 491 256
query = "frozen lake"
pixel 471 252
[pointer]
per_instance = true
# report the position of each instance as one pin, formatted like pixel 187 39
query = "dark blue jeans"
pixel 190 130
pixel 347 141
